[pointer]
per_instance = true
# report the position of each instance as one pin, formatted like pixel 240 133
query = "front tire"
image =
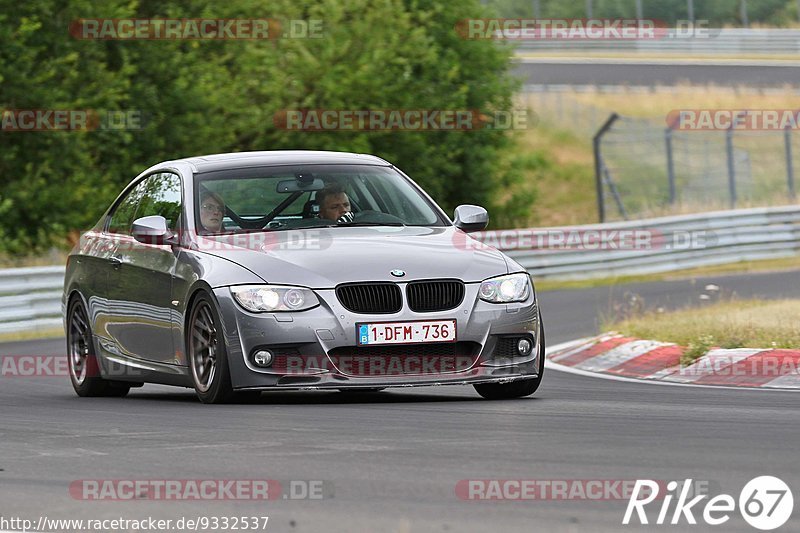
pixel 208 361
pixel 84 370
pixel 516 389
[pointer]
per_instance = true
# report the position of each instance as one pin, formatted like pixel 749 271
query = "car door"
pixel 140 281
pixel 106 310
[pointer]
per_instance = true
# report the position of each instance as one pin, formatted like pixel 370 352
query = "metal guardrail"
pixel 30 298
pixel 675 242
pixel 733 41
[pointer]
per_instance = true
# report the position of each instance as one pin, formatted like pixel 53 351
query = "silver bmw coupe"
pixel 238 273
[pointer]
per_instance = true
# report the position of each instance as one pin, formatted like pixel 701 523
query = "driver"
pixel 334 204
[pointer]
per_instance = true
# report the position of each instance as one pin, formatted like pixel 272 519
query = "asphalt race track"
pixel 600 72
pixel 393 459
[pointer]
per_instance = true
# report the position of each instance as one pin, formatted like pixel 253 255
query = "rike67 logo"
pixel 765 503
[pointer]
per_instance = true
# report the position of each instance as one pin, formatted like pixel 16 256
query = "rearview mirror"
pixel 469 218
pixel 302 183
pixel 152 230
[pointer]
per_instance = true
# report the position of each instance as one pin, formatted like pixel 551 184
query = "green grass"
pixel 563 177
pixel 697 349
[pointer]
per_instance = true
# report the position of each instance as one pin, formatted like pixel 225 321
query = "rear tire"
pixel 516 389
pixel 208 361
pixel 84 370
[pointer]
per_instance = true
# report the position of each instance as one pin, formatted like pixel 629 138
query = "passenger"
pixel 212 209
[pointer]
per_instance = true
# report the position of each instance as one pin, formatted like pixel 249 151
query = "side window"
pixel 162 196
pixel 122 217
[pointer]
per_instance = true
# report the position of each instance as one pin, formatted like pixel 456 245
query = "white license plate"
pixel 406 332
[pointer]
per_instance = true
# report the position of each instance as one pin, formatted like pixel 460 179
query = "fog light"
pixel 263 358
pixel 524 346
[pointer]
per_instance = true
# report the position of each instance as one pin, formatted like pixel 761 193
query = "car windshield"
pixel 280 198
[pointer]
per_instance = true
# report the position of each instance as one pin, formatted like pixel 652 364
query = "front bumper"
pixel 313 342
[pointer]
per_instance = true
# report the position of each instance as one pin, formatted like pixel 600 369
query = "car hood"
pixel 325 257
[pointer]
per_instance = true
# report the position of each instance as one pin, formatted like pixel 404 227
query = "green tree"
pixel 217 96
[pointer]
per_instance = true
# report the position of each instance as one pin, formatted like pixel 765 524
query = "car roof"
pixel 213 162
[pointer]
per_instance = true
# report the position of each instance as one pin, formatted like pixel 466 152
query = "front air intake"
pixel 434 295
pixel 370 298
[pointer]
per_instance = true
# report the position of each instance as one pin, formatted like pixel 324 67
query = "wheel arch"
pixel 198 288
pixel 69 296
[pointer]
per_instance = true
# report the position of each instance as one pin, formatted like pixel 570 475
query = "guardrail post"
pixel 615 193
pixel 598 164
pixel 787 138
pixel 670 166
pixel 743 13
pixel 731 166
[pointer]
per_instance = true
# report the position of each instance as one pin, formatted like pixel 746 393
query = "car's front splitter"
pixel 331 381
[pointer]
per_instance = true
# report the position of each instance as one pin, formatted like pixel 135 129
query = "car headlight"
pixel 506 289
pixel 269 298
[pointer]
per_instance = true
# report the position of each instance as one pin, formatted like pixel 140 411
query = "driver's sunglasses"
pixel 212 207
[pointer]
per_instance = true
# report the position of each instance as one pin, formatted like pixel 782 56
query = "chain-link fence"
pixel 643 168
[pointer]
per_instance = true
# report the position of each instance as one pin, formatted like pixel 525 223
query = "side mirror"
pixel 469 218
pixel 152 230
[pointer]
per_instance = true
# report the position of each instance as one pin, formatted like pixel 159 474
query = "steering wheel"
pixel 377 217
